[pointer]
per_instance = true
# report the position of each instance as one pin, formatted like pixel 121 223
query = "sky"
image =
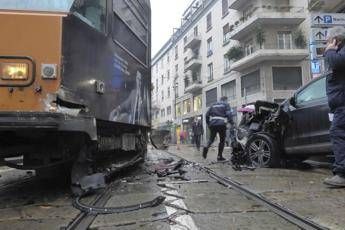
pixel 166 15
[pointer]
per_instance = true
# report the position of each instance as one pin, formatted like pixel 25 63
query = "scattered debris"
pixel 112 210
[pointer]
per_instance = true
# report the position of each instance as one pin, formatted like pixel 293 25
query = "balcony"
pixel 260 16
pixel 193 63
pixel 193 41
pixel 237 4
pixel 193 87
pixel 270 53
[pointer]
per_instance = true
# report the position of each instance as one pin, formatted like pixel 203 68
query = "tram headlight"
pixel 14 71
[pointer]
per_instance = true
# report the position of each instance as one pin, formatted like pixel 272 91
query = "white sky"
pixel 166 15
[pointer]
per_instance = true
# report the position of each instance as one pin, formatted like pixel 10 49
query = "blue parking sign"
pixel 328 19
pixel 316 67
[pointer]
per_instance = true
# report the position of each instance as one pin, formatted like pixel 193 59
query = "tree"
pixel 235 53
pixel 300 40
pixel 260 36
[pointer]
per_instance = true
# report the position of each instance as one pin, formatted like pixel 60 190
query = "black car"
pixel 298 129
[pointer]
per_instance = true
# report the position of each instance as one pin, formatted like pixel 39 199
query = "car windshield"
pixel 37 5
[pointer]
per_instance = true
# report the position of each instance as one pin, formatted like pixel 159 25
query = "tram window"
pixel 93 12
pixel 129 13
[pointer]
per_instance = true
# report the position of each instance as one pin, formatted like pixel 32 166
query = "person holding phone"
pixel 335 59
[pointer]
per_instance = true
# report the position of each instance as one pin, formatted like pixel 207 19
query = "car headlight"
pixel 14 71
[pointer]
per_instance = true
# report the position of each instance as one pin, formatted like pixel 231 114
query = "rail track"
pixel 285 213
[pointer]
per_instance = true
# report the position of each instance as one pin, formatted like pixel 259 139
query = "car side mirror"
pixel 293 101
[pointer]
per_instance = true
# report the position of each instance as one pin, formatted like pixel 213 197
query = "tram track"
pixel 283 212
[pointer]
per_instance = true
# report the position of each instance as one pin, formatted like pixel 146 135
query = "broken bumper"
pixel 13 121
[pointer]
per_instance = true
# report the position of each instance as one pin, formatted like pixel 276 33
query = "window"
pixel 187 106
pixel 176 90
pixel 209 22
pixel 315 91
pixel 169 110
pixel 93 12
pixel 163 113
pixel 168 57
pixel 210 72
pixel 176 69
pixel 185 39
pixel 178 109
pixel 226 34
pixel 284 40
pixel 176 52
pixel 229 90
pixel 168 92
pixel 128 36
pixel 248 48
pixel 211 97
pixel 287 78
pixel 157 85
pixel 225 7
pixel 197 103
pixel 226 64
pixel 196 31
pixel 168 75
pixel 162 95
pixel 135 18
pixel 162 79
pixel 209 47
pixel 250 84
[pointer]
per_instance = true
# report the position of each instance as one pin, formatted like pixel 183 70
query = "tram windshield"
pixel 62 6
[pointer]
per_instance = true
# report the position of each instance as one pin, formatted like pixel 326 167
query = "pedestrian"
pixel 217 116
pixel 335 59
pixel 198 131
pixel 182 137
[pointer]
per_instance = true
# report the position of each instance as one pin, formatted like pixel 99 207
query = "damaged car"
pixel 296 129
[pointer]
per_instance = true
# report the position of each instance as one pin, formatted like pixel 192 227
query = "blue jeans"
pixel 337 135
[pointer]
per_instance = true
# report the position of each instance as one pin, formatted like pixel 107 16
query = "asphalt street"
pixel 193 201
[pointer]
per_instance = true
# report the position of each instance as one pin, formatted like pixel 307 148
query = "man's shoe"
pixel 204 153
pixel 221 159
pixel 336 181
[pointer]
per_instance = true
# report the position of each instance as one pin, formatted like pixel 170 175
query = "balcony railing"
pixel 193 86
pixel 266 15
pixel 192 63
pixel 193 41
pixel 269 51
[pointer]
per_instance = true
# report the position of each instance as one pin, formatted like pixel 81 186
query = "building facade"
pixel 245 50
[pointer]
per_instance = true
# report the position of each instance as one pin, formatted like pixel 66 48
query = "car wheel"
pixel 263 151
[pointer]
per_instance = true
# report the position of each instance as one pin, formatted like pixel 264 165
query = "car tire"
pixel 263 151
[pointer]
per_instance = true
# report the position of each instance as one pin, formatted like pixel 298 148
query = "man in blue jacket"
pixel 335 58
pixel 216 118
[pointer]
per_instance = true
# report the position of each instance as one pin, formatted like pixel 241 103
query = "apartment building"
pixel 246 50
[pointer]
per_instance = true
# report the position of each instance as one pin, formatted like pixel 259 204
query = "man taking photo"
pixel 335 58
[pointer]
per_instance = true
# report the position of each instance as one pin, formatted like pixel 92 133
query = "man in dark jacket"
pixel 335 58
pixel 198 131
pixel 216 118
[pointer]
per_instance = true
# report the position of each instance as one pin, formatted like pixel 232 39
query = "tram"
pixel 75 85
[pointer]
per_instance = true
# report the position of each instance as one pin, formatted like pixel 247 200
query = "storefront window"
pixel 187 106
pixel 178 110
pixel 197 103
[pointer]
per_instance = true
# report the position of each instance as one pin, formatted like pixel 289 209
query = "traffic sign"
pixel 316 66
pixel 319 35
pixel 328 20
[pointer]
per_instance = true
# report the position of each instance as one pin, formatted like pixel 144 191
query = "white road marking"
pixel 186 222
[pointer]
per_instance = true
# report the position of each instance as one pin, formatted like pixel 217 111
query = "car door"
pixel 308 132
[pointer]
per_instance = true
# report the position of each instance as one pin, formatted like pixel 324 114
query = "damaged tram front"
pixel 74 85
